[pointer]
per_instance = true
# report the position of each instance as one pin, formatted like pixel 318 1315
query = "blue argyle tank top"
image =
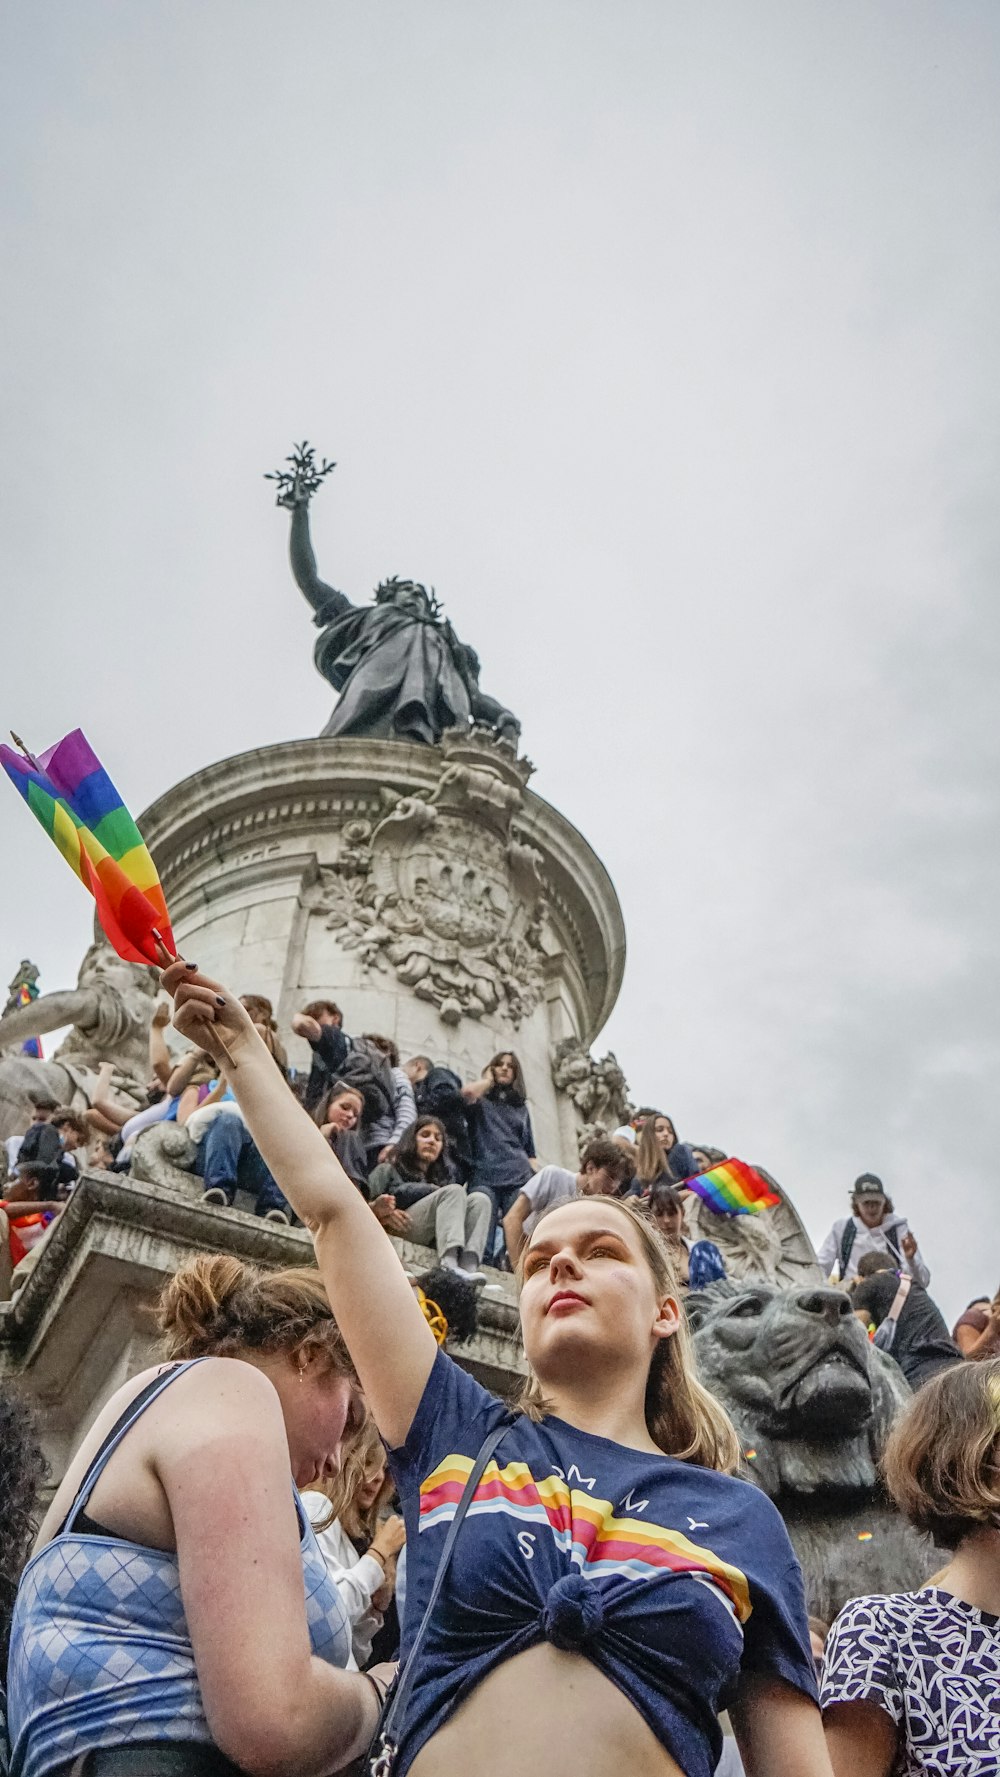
pixel 100 1651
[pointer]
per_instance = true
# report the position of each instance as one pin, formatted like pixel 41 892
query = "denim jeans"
pixel 228 1159
pixel 502 1198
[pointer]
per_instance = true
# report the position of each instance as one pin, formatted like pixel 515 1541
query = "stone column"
pixel 425 889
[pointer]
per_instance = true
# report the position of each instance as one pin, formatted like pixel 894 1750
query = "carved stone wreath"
pixel 443 892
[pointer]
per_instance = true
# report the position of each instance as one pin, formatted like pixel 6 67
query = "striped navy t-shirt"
pixel 671 1579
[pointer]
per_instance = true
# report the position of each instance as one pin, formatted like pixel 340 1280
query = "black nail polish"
pixel 220 999
pixel 190 965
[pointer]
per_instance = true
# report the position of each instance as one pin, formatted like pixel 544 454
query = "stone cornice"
pixel 148 1231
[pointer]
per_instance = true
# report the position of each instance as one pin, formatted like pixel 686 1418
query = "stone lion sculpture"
pixel 109 1011
pixel 812 1401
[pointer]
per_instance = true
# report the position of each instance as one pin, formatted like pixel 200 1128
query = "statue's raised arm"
pixel 296 487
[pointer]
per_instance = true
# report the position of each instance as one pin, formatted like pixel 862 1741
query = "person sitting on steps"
pixel 414 1197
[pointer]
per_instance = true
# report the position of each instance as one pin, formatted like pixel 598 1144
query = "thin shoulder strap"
pixel 893 1243
pixel 123 1424
pixel 386 1746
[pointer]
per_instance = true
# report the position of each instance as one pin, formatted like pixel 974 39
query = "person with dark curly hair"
pixel 22 1471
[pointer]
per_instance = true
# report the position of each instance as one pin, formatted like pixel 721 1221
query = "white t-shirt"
pixel 552 1185
pixel 357 1577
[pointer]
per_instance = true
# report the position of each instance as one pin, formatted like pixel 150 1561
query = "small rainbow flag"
pixel 26 996
pixel 70 792
pixel 733 1189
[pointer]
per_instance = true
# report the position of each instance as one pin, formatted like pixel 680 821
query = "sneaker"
pixel 474 1277
pixel 277 1215
pixel 215 1196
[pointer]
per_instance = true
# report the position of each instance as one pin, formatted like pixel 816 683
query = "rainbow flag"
pixel 733 1189
pixel 26 996
pixel 70 792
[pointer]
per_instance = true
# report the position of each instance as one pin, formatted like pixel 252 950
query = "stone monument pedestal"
pixel 425 889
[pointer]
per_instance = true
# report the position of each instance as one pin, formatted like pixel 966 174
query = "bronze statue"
pixel 813 1402
pixel 401 671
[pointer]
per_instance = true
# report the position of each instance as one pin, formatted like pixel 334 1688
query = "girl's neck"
pixel 606 1408
pixel 973 1573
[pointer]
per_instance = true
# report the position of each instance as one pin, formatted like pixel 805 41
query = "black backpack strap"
pixel 386 1743
pixel 847 1240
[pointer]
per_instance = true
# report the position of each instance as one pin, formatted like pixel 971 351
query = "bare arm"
pixel 513 1226
pixel 778 1729
pixel 861 1739
pixel 272 1706
pixel 180 1079
pixel 393 1349
pixel 985 1344
pixel 115 1114
pixel 478 1089
pixel 161 1062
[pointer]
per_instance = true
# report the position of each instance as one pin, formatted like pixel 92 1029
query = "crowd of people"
pixel 306 1493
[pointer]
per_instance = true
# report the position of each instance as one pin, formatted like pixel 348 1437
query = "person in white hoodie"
pixel 872 1227
pixel 365 1580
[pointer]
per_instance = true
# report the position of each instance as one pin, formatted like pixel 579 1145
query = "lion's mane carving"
pixel 813 1400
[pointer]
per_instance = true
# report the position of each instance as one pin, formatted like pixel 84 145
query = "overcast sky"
pixel 663 340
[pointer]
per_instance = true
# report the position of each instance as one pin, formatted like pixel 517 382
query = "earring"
pixel 302 1372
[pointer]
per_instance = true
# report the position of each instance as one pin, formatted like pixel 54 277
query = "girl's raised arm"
pixel 387 1336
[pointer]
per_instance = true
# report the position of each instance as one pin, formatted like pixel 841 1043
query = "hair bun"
pixel 200 1305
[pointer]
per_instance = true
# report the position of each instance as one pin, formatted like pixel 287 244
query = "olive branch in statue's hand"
pixel 297 485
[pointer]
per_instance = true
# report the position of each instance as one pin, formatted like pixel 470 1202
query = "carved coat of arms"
pixel 442 891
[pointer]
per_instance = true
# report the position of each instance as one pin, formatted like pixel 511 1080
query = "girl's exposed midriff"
pixel 550 1709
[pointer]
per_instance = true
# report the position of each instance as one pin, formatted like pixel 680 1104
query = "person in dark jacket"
pixel 321 1025
pixel 503 1144
pixel 438 1093
pixel 921 1345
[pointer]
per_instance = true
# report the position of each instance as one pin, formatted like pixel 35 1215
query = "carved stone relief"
pixel 598 1089
pixel 441 889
